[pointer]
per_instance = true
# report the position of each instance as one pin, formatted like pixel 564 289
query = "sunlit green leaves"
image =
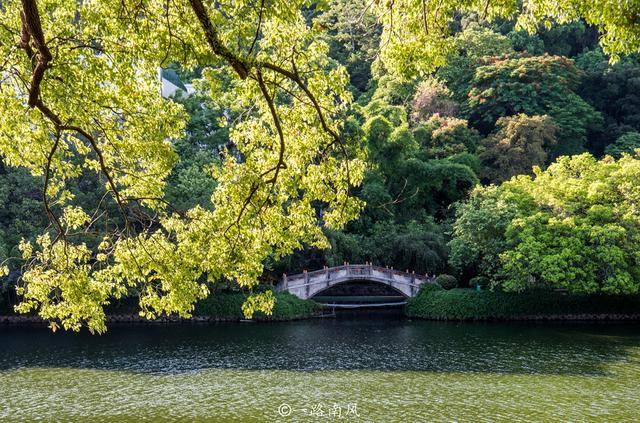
pixel 287 171
pixel 574 226
pixel 416 36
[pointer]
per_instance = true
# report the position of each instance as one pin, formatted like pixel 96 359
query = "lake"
pixel 366 368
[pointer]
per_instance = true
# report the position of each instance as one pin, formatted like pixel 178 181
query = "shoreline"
pixel 135 320
pixel 585 317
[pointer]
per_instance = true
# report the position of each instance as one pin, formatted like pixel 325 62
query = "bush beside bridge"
pixel 222 305
pixel 228 305
pixel 433 302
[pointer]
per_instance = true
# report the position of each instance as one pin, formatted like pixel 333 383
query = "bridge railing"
pixel 352 269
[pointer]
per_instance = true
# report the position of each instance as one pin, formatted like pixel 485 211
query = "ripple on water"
pixel 392 371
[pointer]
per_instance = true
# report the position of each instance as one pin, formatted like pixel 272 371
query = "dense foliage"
pixel 228 305
pixel 520 143
pixel 627 143
pixel 468 304
pixel 364 127
pixel 80 83
pixel 574 226
pixel 539 85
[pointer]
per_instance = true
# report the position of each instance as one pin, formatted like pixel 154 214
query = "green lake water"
pixel 345 369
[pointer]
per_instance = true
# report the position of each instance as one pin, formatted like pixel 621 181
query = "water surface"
pixel 382 369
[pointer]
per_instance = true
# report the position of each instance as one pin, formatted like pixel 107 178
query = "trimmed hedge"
pixel 432 302
pixel 289 306
pixel 228 305
pixel 218 305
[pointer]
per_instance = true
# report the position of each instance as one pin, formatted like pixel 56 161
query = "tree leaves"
pixel 98 109
pixel 573 226
pixel 416 34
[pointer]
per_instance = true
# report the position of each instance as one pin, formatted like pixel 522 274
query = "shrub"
pixel 469 304
pixel 222 305
pixel 447 281
pixel 481 281
pixel 228 305
pixel 429 287
pixel 289 306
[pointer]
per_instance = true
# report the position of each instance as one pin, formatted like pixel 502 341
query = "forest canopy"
pixel 336 124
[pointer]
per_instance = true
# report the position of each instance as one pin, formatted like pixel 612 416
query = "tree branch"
pixel 214 42
pixel 243 67
pixel 41 58
pixel 255 39
pixel 32 30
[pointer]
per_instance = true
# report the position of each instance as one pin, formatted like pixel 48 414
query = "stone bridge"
pixel 306 285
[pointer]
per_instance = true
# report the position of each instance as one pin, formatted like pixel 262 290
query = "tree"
pixel 416 37
pixel 471 46
pixel 570 39
pixel 446 136
pixel 354 35
pixel 478 233
pixel 525 42
pixel 82 85
pixel 406 192
pixel 387 147
pixel 533 86
pixel 432 97
pixel 627 143
pixel 404 181
pixel 428 188
pixel 393 90
pixel 613 90
pixel 415 245
pixel 190 182
pixel 520 143
pixel 21 213
pixel 572 226
pixel 589 242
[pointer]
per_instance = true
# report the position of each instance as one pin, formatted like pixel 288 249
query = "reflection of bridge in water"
pixel 313 284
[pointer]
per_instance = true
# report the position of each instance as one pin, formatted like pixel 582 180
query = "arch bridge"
pixel 306 285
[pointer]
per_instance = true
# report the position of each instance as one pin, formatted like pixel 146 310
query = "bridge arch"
pixel 306 285
pixel 364 287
